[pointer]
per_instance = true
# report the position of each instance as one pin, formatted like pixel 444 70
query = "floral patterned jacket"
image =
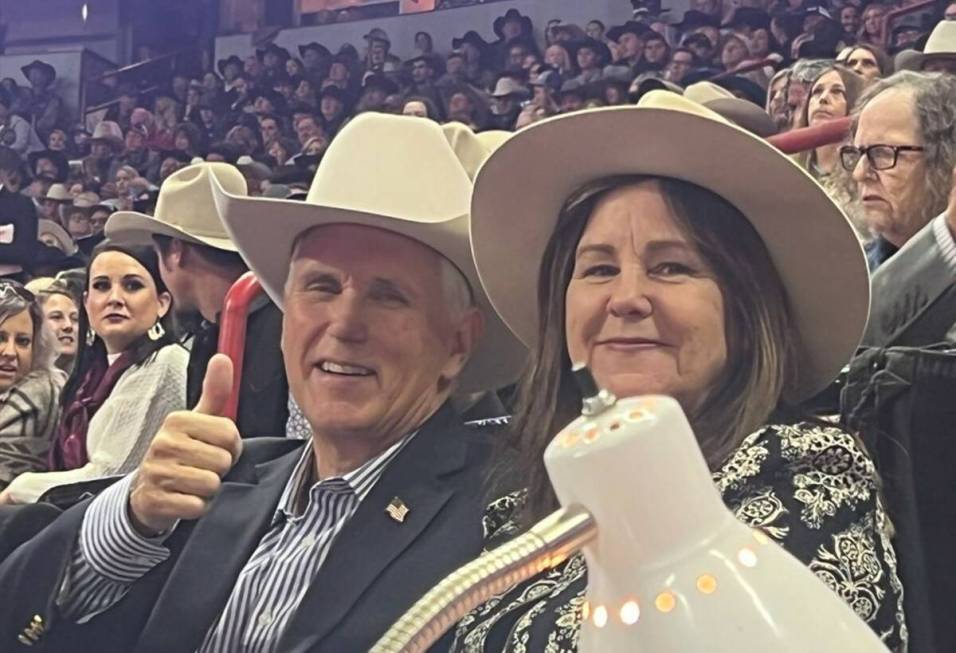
pixel 808 486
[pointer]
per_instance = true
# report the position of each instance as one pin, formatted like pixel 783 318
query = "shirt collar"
pixel 358 482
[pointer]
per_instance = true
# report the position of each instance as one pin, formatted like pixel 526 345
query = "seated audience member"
pixel 125 382
pixel 199 264
pixel 383 321
pixel 868 61
pixel 659 284
pixel 29 387
pixel 902 157
pixel 76 216
pixel 833 94
pixel 939 54
pixel 15 132
pixel 61 311
pixel 138 155
pixel 105 145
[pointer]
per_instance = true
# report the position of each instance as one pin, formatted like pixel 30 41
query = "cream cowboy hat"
pixel 395 173
pixel 941 43
pixel 185 209
pixel 810 241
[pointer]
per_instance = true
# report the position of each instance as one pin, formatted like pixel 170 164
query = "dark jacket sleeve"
pixel 914 296
pixel 18 210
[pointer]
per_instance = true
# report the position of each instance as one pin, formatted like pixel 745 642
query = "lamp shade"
pixel 671 568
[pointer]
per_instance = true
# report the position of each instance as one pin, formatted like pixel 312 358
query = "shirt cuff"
pixel 944 238
pixel 110 544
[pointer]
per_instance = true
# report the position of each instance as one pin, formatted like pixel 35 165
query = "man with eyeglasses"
pixel 902 159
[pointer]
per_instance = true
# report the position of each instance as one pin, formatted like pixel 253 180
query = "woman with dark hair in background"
pixel 130 374
pixel 29 390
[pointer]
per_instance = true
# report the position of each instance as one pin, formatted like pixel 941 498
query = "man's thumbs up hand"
pixel 187 459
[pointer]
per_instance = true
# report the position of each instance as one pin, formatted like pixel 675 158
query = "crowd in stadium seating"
pixel 114 266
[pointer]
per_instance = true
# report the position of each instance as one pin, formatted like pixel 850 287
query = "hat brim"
pixel 135 227
pixel 499 357
pixel 810 241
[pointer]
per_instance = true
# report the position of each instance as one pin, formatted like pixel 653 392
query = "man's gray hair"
pixel 455 289
pixel 934 96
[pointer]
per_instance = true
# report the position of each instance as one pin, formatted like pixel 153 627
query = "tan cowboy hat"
pixel 810 241
pixel 941 43
pixel 59 193
pixel 185 209
pixel 109 132
pixel 65 242
pixel 395 173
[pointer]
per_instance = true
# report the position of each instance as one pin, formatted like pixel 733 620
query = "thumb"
pixel 216 387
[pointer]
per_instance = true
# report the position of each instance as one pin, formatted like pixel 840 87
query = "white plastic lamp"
pixel 670 569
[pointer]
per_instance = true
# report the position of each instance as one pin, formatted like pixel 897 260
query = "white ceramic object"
pixel 671 569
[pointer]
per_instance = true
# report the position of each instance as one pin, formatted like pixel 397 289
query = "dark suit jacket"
pixel 264 390
pixel 914 296
pixel 376 569
pixel 18 210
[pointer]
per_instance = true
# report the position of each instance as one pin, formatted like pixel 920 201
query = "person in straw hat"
pixel 383 322
pixel 105 145
pixel 676 274
pixel 199 263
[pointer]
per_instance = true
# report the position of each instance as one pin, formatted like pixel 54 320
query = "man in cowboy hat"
pixel 506 102
pixel 45 106
pixel 630 39
pixel 939 54
pixel 316 59
pixel 322 544
pixel 105 145
pixel 512 25
pixel 199 264
pixel 230 68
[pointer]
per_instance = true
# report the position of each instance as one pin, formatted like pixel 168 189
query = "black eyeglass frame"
pixel 859 152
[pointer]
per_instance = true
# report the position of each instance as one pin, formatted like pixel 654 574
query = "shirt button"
pixel 308 541
pixel 264 619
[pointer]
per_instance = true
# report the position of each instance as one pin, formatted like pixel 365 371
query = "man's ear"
pixel 465 338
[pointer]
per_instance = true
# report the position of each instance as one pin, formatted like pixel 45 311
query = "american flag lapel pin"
pixel 397 510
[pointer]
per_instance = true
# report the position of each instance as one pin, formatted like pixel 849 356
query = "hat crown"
pixel 186 201
pixel 107 129
pixel 394 166
pixel 942 40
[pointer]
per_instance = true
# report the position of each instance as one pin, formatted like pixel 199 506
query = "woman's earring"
pixel 156 331
pixel 90 337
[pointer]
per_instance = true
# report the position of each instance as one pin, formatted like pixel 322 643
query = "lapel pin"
pixel 32 633
pixel 397 510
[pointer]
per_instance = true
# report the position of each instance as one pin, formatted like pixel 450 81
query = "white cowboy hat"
pixel 472 149
pixel 185 209
pixel 810 241
pixel 941 43
pixel 109 132
pixel 395 173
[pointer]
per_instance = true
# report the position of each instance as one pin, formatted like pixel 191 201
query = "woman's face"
pixel 57 141
pixel 733 53
pixel 122 300
pixel 278 152
pixel 864 63
pixel 827 99
pixel 292 68
pixel 16 348
pixel 643 309
pixel 181 142
pixel 872 20
pixel 63 318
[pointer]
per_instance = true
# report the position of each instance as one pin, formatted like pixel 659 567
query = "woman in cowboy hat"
pixel 677 273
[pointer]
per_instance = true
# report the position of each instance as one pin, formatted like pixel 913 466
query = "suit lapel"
pixel 213 555
pixel 373 539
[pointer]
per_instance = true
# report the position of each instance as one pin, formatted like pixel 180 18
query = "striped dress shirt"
pixel 110 555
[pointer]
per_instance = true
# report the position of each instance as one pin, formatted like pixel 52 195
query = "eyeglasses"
pixel 881 157
pixel 10 288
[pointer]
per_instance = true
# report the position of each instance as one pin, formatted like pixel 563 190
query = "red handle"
pixel 808 138
pixel 232 330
